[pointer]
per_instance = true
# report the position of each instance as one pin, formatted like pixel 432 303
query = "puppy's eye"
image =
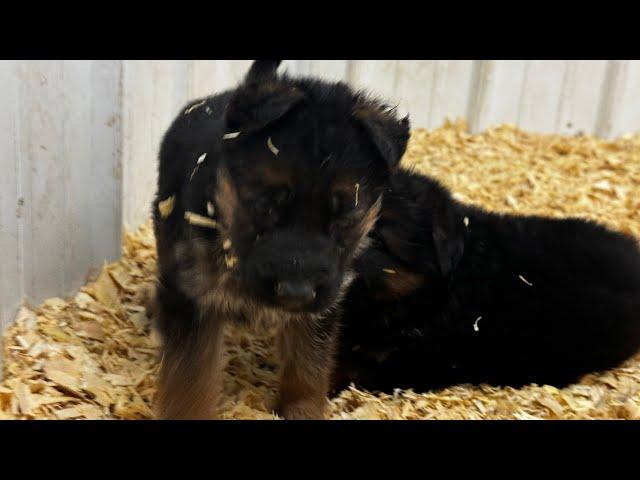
pixel 280 196
pixel 340 204
pixel 271 201
pixel 263 206
pixel 335 203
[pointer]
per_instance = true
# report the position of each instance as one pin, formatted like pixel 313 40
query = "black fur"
pixel 580 314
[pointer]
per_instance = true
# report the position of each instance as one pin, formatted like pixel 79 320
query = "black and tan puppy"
pixel 448 293
pixel 266 195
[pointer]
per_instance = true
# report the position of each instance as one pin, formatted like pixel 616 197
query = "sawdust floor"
pixel 93 356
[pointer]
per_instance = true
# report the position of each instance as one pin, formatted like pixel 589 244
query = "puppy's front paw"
pixel 304 409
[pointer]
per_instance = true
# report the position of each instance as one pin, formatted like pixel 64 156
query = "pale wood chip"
pixel 199 220
pixel 166 206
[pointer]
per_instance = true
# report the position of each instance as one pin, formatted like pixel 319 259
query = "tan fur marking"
pixel 366 225
pixel 307 359
pixel 219 289
pixel 402 283
pixel 226 198
pixel 189 379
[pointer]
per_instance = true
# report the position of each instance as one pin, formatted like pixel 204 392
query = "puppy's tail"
pixel 261 69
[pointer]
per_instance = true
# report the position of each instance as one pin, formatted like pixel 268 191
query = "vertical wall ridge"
pixel 606 100
pixel 479 86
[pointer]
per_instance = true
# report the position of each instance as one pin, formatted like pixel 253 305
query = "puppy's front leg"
pixel 189 377
pixel 307 347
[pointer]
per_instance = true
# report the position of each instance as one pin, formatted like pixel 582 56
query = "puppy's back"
pixel 531 299
pixel 574 247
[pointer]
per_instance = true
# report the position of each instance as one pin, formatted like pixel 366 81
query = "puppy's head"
pixel 423 227
pixel 304 165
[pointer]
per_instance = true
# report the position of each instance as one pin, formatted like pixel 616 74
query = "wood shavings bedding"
pixel 95 356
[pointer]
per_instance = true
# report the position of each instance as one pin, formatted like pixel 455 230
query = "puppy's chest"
pixel 216 289
pixel 232 305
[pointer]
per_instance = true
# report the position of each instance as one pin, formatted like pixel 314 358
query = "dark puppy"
pixel 448 293
pixel 266 195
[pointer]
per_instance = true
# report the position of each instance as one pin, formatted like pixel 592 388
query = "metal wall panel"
pixel 79 139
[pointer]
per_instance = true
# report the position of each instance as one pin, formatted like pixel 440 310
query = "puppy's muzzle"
pixel 295 295
pixel 294 270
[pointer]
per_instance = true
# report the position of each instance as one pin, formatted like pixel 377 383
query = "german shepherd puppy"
pixel 448 293
pixel 279 201
pixel 266 195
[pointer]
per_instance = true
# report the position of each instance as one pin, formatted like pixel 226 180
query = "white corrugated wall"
pixel 60 182
pixel 79 139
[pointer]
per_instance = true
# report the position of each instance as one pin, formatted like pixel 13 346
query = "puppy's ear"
pixel 255 105
pixel 389 134
pixel 261 69
pixel 448 236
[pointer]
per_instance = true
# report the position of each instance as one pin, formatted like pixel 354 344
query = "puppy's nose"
pixel 295 295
